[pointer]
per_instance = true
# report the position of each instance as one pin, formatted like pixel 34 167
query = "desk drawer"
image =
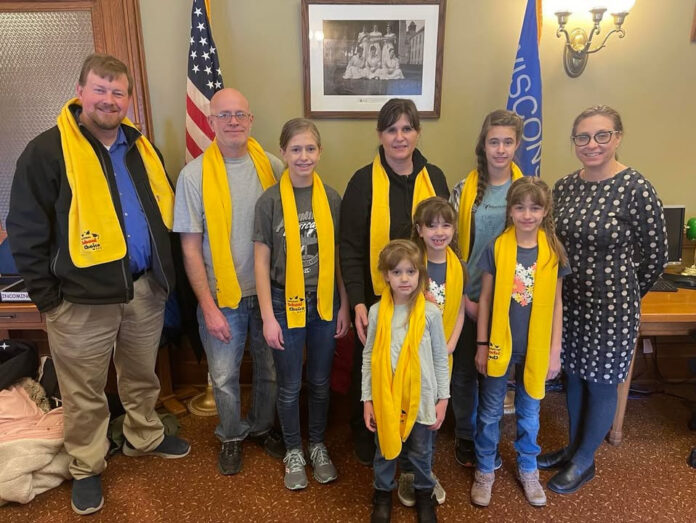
pixel 19 316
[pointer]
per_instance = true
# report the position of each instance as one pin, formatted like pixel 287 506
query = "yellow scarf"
pixel 380 217
pixel 536 363
pixel 217 204
pixel 94 232
pixel 396 395
pixel 295 303
pixel 466 203
pixel 454 288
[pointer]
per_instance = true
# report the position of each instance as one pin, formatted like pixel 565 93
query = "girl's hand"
pixel 369 416
pixel 361 322
pixel 273 334
pixel 471 308
pixel 481 359
pixel 440 411
pixel 554 365
pixel 342 321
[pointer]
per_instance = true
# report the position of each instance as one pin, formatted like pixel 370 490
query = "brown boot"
pixel 482 487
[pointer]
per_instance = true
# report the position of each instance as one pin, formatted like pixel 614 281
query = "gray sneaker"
pixel 295 475
pixel 438 492
pixel 407 495
pixel 324 469
pixel 533 490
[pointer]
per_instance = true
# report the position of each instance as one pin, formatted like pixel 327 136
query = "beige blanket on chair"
pixel 32 457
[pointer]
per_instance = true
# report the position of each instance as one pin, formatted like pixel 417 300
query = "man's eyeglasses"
pixel 241 116
pixel 601 138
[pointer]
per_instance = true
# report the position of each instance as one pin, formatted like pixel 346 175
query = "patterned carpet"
pixel 644 479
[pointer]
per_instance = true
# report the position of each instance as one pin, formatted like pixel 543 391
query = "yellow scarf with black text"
pixel 295 301
pixel 396 395
pixel 536 363
pixel 95 235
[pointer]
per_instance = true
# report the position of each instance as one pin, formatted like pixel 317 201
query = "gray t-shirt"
pixel 245 189
pixel 489 223
pixel 522 291
pixel 269 228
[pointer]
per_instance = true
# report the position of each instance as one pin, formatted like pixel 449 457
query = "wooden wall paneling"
pixel 116 30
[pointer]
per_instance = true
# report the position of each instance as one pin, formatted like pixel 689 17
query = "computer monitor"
pixel 674 223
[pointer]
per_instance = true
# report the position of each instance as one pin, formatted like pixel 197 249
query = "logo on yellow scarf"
pixel 90 241
pixel 493 351
pixel 295 304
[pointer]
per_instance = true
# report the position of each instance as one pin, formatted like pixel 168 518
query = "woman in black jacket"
pixel 398 173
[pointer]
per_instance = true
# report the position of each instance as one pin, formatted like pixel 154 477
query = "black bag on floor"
pixel 18 359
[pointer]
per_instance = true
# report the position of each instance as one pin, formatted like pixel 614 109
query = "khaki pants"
pixel 82 340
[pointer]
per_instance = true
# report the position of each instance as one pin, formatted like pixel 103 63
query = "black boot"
pixel 381 506
pixel 553 460
pixel 570 478
pixel 425 506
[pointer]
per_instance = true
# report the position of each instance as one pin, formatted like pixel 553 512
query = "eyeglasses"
pixel 601 138
pixel 241 116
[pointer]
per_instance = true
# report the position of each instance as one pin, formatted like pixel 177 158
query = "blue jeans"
pixel 224 360
pixel 318 337
pixel 418 451
pixel 490 412
pixel 464 385
pixel 591 409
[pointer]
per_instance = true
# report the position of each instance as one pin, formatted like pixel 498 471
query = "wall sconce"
pixel 578 42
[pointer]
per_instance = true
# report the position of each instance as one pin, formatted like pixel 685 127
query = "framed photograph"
pixel 359 54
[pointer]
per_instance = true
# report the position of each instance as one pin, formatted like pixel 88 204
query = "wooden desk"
pixel 662 314
pixel 25 316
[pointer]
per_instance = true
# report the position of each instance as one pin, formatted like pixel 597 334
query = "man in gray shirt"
pixel 224 324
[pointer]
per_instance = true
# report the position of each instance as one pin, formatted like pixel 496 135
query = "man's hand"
pixel 216 324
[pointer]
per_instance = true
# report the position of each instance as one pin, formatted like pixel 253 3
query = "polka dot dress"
pixel 613 231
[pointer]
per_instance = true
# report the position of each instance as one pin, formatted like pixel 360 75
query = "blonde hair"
pixel 296 126
pixel 536 190
pixel 394 253
pixel 427 212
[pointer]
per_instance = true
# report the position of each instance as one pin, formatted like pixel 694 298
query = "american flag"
pixel 204 79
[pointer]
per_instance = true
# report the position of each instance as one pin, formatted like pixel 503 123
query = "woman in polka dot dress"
pixel 610 220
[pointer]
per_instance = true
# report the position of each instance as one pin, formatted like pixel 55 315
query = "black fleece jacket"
pixel 37 226
pixel 355 220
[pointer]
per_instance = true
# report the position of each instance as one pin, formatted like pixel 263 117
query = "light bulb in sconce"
pixel 691 235
pixel 619 6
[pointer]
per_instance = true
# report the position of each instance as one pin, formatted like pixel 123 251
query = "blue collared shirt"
pixel 137 230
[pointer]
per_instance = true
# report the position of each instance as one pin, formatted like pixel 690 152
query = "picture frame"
pixel 693 28
pixel 357 54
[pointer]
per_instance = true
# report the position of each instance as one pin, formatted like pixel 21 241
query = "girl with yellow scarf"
pixel 405 378
pixel 434 231
pixel 480 201
pixel 298 283
pixel 519 322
